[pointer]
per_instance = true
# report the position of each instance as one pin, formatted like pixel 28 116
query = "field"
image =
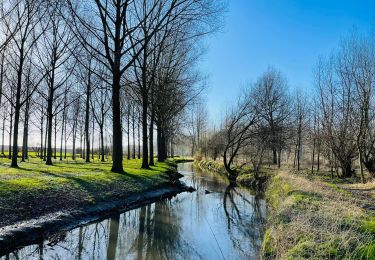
pixel 35 189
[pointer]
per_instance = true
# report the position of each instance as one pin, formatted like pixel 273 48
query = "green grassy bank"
pixel 35 189
pixel 312 217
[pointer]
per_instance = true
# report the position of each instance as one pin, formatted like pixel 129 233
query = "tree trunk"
pixel 62 131
pixel 361 165
pixel 74 138
pixel 93 138
pixel 162 146
pixel 17 106
pixel 274 153
pixel 117 131
pixel 55 141
pixel 347 170
pixel 49 128
pixel 65 141
pixel 45 143
pixel 25 133
pixel 133 125
pixel 3 136
pixel 41 133
pixel 87 118
pixel 151 139
pixel 10 133
pixel 232 174
pixel 15 135
pixel 102 142
pixel 128 134
pixel 144 132
pixel 313 157
pixel 370 166
pixel 139 136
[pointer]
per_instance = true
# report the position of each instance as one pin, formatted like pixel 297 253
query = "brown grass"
pixel 312 219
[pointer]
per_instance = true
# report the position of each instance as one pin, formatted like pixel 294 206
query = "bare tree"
pixel 274 107
pixel 24 21
pixel 100 103
pixel 238 130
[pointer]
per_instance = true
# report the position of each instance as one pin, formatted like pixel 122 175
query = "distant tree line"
pixel 332 125
pixel 74 70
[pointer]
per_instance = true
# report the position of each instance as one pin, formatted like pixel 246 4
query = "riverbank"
pixel 38 200
pixel 312 216
pixel 246 178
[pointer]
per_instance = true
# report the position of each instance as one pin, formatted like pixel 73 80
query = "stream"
pixel 218 221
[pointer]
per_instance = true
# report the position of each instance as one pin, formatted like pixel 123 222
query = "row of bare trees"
pixel 71 67
pixel 330 128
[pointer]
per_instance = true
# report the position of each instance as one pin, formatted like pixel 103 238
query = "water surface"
pixel 217 221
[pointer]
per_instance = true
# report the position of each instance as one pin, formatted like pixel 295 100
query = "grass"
pixel 34 188
pixel 314 218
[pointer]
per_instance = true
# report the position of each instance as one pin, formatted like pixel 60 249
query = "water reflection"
pixel 223 224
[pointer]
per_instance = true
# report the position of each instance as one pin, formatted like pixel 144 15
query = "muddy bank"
pixel 36 230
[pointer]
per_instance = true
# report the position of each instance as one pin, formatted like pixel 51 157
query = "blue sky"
pixel 287 34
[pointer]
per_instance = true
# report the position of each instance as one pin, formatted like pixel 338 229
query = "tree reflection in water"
pixel 113 237
pixel 239 224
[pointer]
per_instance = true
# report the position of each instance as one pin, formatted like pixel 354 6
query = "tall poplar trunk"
pixel 133 126
pixel 3 136
pixel 139 136
pixel 55 141
pixel 10 133
pixel 63 127
pixel 41 133
pixel 74 137
pixel 45 143
pixel 128 134
pixel 102 142
pixel 50 122
pixel 87 117
pixel 93 138
pixel 162 144
pixel 151 139
pixel 62 134
pixel 17 108
pixel 25 132
pixel 144 132
pixel 117 130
